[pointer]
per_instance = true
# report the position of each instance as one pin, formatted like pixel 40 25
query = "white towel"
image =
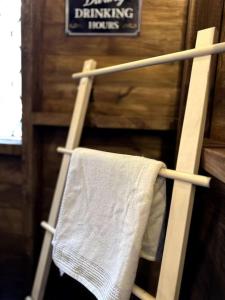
pixel 108 202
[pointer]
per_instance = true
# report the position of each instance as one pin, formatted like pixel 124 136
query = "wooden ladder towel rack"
pixel 184 175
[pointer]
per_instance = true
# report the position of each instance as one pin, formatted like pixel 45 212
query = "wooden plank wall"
pixel 11 200
pixel 13 258
pixel 132 99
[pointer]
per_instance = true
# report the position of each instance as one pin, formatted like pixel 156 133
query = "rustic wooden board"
pixel 120 110
pixel 150 41
pixel 135 99
pixel 60 68
pixel 213 161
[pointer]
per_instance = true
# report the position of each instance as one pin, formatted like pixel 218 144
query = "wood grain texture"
pixel 213 161
pixel 51 119
pixel 31 28
pixel 218 115
pixel 137 97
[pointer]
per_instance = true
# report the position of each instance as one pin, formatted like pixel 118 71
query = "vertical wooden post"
pixel 188 161
pixel 73 140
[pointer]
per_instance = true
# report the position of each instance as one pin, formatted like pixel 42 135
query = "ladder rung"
pixel 48 227
pixel 167 173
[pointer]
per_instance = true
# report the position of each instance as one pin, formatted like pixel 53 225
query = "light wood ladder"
pixel 184 175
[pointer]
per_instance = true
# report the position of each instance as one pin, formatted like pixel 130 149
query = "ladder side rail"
pixel 73 140
pixel 187 161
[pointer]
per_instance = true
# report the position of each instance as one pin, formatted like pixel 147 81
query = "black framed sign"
pixel 103 17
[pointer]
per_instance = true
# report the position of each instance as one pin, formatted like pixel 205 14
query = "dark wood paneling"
pixel 11 196
pixel 201 14
pixel 12 234
pixel 204 274
pixel 213 161
pixel 11 169
pixel 11 200
pixel 11 221
pixel 218 116
pixel 161 31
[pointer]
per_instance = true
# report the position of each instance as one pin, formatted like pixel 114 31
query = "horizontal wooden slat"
pixel 129 100
pixel 103 120
pixel 154 40
pixel 118 106
pixel 133 107
pixel 61 67
pixel 51 119
pixel 210 143
pixel 131 96
pixel 146 98
pixel 11 149
pixel 213 161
